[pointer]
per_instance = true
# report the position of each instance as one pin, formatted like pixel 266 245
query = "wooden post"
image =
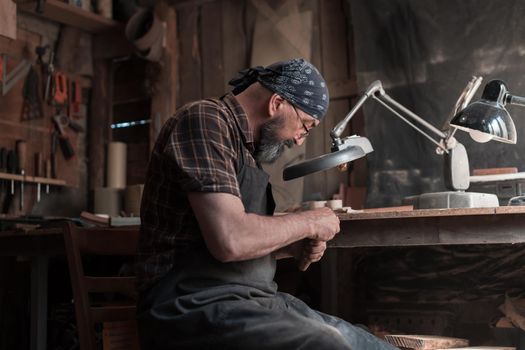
pixel 163 103
pixel 99 122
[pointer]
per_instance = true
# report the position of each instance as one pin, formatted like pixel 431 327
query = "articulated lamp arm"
pixel 347 149
pixel 338 130
pixel 376 91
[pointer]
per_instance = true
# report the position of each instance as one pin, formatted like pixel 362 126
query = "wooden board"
pixel 333 30
pixel 99 123
pixel 431 227
pixel 189 55
pixel 235 50
pixel 8 22
pixel 482 348
pixel 494 171
pixel 425 342
pixel 71 15
pixel 212 50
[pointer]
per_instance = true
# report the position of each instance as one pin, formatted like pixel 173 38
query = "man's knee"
pixel 326 337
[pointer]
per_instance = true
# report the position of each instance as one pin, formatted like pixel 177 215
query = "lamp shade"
pixel 324 162
pixel 487 119
pixel 350 149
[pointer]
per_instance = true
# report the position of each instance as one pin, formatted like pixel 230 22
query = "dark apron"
pixel 205 304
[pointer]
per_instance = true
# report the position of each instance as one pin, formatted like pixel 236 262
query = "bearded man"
pixel 209 243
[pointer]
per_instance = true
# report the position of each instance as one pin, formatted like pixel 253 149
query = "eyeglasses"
pixel 306 131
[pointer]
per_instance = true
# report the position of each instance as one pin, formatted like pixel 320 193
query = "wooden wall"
pixel 215 41
pixel 33 32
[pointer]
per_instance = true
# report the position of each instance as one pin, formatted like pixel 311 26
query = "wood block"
pixel 8 23
pixel 425 342
pixel 494 171
pixel 504 322
pixel 482 348
pixel 389 209
pixel 355 197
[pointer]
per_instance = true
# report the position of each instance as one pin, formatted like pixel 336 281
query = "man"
pixel 209 241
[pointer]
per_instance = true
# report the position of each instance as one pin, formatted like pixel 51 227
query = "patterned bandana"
pixel 296 80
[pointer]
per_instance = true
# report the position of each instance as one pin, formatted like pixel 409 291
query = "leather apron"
pixel 205 304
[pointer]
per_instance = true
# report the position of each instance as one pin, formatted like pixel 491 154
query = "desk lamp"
pixel 487 119
pixel 457 172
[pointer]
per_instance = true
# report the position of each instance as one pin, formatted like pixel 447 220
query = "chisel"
pixel 11 166
pixel 38 173
pixel 3 163
pixel 3 169
pixel 21 151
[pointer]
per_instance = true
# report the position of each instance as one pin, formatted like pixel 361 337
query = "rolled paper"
pixel 116 165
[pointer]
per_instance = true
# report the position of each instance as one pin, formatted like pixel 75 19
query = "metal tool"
pixel 32 106
pixel 48 170
pixel 50 70
pixel 10 79
pixel 38 173
pixel 61 121
pixel 3 168
pixel 11 166
pixel 75 98
pixel 60 91
pixel 21 152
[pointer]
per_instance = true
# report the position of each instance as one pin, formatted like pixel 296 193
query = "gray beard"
pixel 270 147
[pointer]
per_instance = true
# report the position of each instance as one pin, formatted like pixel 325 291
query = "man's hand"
pixel 325 224
pixel 307 251
pixel 312 252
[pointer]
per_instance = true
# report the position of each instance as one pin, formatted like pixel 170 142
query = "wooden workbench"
pixel 431 227
pixel 502 225
pixel 368 229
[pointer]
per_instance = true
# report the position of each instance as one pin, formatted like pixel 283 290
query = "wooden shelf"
pixel 70 15
pixel 32 179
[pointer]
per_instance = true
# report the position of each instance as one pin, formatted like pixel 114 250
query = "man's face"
pixel 285 129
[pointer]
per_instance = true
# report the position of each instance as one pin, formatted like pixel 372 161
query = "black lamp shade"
pixel 489 118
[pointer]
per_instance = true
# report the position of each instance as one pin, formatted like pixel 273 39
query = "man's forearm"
pixel 231 234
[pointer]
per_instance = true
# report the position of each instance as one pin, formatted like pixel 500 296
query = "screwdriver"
pixel 3 164
pixel 21 151
pixel 11 167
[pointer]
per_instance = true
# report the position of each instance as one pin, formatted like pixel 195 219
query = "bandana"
pixel 296 80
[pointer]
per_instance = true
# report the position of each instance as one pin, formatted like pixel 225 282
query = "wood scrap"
pixel 482 348
pixel 8 23
pixel 494 171
pixel 389 209
pixel 425 342
pixel 514 310
pixel 503 322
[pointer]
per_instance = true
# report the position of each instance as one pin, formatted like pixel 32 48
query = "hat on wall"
pixel 146 32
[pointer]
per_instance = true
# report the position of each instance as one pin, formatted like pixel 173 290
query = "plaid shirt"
pixel 197 150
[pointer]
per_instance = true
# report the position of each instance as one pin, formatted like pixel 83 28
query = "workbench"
pixel 358 229
pixel 429 227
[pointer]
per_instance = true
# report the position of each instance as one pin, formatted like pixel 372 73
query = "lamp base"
pixel 452 199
